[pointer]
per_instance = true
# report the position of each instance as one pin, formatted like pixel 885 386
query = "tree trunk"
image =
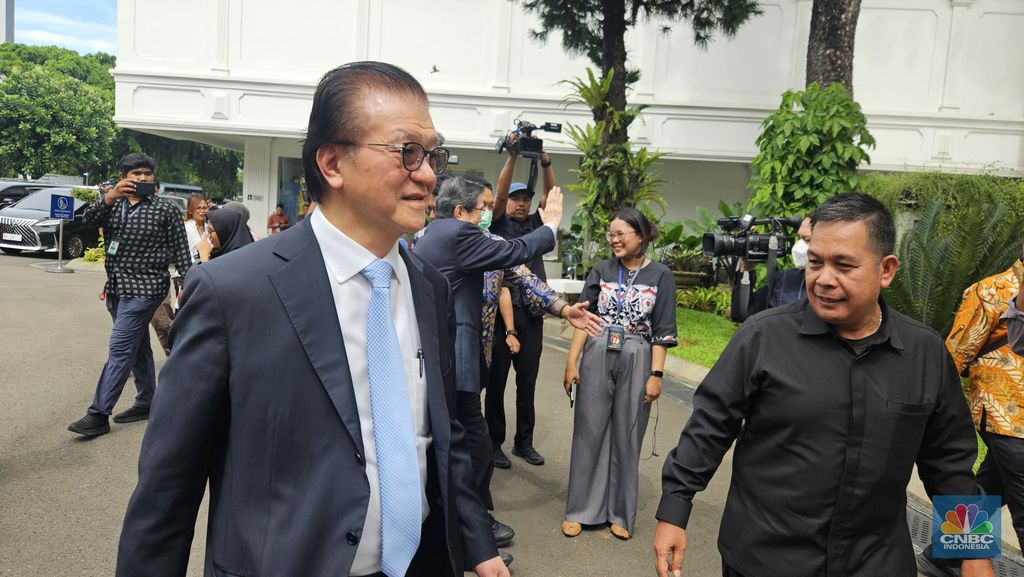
pixel 831 42
pixel 614 59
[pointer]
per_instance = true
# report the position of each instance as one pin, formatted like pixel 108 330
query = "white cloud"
pixel 78 44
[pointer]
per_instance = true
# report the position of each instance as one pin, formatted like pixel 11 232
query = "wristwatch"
pixel 659 374
pixel 511 333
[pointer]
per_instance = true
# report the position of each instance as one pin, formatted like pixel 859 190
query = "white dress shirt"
pixel 345 259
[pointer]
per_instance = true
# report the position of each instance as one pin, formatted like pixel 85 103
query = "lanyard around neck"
pixel 620 294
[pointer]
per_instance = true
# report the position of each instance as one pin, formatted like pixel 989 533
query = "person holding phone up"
pixel 619 376
pixel 144 235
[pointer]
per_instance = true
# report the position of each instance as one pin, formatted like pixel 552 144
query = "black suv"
pixel 11 191
pixel 27 226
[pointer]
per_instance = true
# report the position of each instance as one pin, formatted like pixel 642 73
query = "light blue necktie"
pixel 398 467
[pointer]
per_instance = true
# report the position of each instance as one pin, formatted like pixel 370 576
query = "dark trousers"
pixel 481 455
pixel 728 571
pixel 1002 473
pixel 527 364
pixel 161 322
pixel 129 353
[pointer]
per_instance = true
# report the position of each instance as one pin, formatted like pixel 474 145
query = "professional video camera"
pixel 739 240
pixel 524 143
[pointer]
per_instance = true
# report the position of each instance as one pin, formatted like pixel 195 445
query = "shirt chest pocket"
pixel 895 430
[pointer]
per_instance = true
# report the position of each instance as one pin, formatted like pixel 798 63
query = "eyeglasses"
pixel 413 154
pixel 618 235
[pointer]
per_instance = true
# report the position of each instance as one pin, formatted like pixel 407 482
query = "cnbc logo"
pixel 965 526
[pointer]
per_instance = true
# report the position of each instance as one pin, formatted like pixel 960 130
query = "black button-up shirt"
pixel 825 444
pixel 151 237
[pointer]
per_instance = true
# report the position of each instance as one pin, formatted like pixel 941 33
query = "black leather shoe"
pixel 501 460
pixel 503 534
pixel 933 567
pixel 506 557
pixel 133 414
pixel 91 425
pixel 528 454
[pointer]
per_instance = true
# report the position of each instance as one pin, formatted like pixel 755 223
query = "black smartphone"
pixel 145 189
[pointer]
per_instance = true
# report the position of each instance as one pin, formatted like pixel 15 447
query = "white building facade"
pixel 941 81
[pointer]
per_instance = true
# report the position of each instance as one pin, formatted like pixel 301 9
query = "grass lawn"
pixel 702 336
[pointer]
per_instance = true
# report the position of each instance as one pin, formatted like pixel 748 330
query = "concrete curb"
pixel 85 266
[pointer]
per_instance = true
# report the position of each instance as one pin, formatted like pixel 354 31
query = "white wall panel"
pixel 895 58
pixel 898 145
pixel 751 68
pixel 167 101
pixel 274 109
pixel 445 53
pixel 177 35
pixel 299 40
pixel 993 73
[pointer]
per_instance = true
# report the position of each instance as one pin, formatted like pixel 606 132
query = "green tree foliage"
pixel 52 122
pixel 215 169
pixel 810 149
pixel 941 256
pixel 597 29
pixel 612 175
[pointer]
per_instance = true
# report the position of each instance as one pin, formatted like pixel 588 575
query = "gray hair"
pixel 238 207
pixel 457 191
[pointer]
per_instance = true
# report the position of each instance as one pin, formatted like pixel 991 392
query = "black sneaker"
pixel 506 557
pixel 503 534
pixel 528 454
pixel 91 425
pixel 133 414
pixel 501 460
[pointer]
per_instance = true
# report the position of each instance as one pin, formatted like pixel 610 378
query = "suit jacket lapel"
pixel 305 291
pixel 426 319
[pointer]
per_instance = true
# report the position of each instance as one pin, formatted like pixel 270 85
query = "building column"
pixel 954 56
pixel 257 188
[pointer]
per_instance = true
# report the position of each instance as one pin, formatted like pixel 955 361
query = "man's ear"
pixel 328 160
pixel 888 265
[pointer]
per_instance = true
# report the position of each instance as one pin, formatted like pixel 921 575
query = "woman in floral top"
pixel 619 377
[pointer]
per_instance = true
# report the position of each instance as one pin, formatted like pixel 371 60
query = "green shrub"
pixel 86 195
pixel 95 254
pixel 810 149
pixel 945 252
pixel 715 299
pixel 913 191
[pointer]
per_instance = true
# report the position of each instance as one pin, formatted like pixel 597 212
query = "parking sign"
pixel 62 207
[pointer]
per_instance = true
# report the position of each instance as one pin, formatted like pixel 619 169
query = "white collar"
pixel 344 257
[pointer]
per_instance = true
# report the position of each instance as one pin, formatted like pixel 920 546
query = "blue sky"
pixel 85 26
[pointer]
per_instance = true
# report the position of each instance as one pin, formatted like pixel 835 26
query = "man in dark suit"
pixel 312 374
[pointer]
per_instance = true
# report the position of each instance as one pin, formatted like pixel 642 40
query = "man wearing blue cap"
pixel 513 219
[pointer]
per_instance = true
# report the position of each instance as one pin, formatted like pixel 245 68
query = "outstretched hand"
pixel 579 317
pixel 552 211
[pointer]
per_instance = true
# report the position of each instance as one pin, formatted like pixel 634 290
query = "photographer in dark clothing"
pixel 513 219
pixel 788 286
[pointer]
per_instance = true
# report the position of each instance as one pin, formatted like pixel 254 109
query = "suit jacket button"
pixel 359 459
pixel 352 538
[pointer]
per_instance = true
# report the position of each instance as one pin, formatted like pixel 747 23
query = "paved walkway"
pixel 62 499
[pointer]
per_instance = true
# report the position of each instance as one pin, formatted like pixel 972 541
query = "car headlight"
pixel 52 222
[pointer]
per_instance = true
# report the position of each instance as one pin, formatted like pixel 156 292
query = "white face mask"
pixel 799 253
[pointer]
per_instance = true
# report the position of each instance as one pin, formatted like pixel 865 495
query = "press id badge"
pixel 616 335
pixel 112 247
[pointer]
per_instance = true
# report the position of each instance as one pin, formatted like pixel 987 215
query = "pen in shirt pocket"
pixel 419 357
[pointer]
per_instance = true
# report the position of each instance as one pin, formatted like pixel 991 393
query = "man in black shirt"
pixel 831 401
pixel 513 219
pixel 144 235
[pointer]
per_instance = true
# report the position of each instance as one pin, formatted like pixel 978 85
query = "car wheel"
pixel 74 247
pixel 10 250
